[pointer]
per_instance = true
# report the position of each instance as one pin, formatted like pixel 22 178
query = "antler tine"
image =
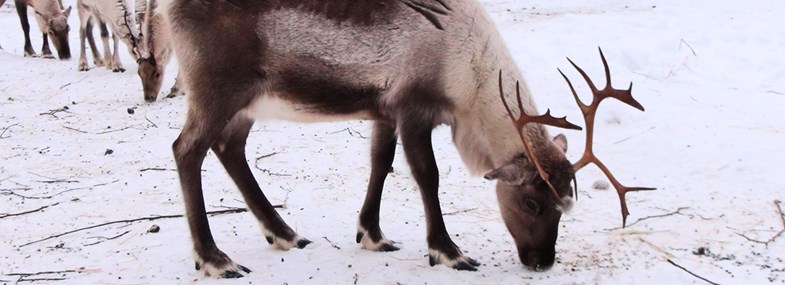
pixel 524 119
pixel 589 112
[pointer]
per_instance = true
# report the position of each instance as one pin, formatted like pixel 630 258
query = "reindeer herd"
pixel 142 31
pixel 406 65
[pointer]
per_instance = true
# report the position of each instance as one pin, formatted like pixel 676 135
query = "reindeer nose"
pixel 537 260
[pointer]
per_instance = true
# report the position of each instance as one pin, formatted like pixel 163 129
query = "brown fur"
pixel 409 65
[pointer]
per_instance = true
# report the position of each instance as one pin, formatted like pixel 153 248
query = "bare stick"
pixel 331 243
pixel 690 272
pixel 778 204
pixel 689 46
pixel 149 218
pixel 156 169
pixel 6 129
pixel 459 212
pixel 107 238
pixel 266 156
pixel 351 132
pixel 27 212
pixel 54 112
pixel 677 212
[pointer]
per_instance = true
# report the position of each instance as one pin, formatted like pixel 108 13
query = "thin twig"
pixel 149 218
pixel 75 129
pixel 690 272
pixel 156 169
pixel 27 212
pixel 107 238
pixel 778 204
pixel 689 46
pixel 677 212
pixel 351 132
pixel 112 131
pixel 6 129
pixel 266 156
pixel 54 112
pixel 331 243
pixel 151 122
pixel 459 212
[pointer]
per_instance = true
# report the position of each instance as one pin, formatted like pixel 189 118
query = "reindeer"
pixel 115 14
pixel 157 50
pixel 53 22
pixel 408 65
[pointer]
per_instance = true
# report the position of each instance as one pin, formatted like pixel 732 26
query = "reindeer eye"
pixel 532 206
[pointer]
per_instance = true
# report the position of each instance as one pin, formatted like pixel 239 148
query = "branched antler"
pixel 523 119
pixel 589 112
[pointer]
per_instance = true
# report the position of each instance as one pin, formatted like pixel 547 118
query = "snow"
pixel 708 72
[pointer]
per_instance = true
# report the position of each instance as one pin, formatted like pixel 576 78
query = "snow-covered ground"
pixel 710 74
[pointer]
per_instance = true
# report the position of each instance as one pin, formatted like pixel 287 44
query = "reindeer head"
pixel 534 189
pixel 152 75
pixel 57 28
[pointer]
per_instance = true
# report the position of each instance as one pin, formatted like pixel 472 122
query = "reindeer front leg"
pixel 176 89
pixel 116 65
pixel 369 234
pixel 416 139
pixel 189 149
pixel 21 9
pixel 45 51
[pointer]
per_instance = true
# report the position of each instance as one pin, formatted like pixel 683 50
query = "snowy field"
pixel 79 149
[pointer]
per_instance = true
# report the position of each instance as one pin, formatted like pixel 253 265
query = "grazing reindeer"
pixel 156 50
pixel 115 14
pixel 53 22
pixel 409 65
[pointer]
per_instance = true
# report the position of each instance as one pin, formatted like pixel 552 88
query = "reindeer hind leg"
pixel 230 150
pixel 21 9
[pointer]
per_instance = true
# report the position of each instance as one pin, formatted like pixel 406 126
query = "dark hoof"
pixel 302 243
pixel 231 275
pixel 388 247
pixel 359 237
pixel 269 239
pixel 466 266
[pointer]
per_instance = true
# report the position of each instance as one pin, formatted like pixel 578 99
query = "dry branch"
pixel 27 212
pixel 677 212
pixel 778 204
pixel 54 112
pixel 690 272
pixel 459 212
pixel 149 218
pixel 332 243
pixel 6 129
pixel 103 239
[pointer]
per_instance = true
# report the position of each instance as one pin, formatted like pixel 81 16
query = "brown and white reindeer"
pixel 119 18
pixel 53 22
pixel 408 65
pixel 156 50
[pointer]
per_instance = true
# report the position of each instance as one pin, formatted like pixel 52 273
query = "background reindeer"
pixel 53 22
pixel 118 16
pixel 409 65
pixel 156 50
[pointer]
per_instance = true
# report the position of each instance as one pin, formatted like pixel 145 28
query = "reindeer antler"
pixel 589 112
pixel 523 119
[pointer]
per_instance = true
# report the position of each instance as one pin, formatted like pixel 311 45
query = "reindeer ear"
pixel 67 12
pixel 561 141
pixel 509 174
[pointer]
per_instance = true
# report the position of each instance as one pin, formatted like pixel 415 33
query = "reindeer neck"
pixel 483 132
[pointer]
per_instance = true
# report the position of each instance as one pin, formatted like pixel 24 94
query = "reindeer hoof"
pixel 459 263
pixel 221 267
pixel 48 56
pixel 383 244
pixel 118 69
pixel 231 274
pixel 284 243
